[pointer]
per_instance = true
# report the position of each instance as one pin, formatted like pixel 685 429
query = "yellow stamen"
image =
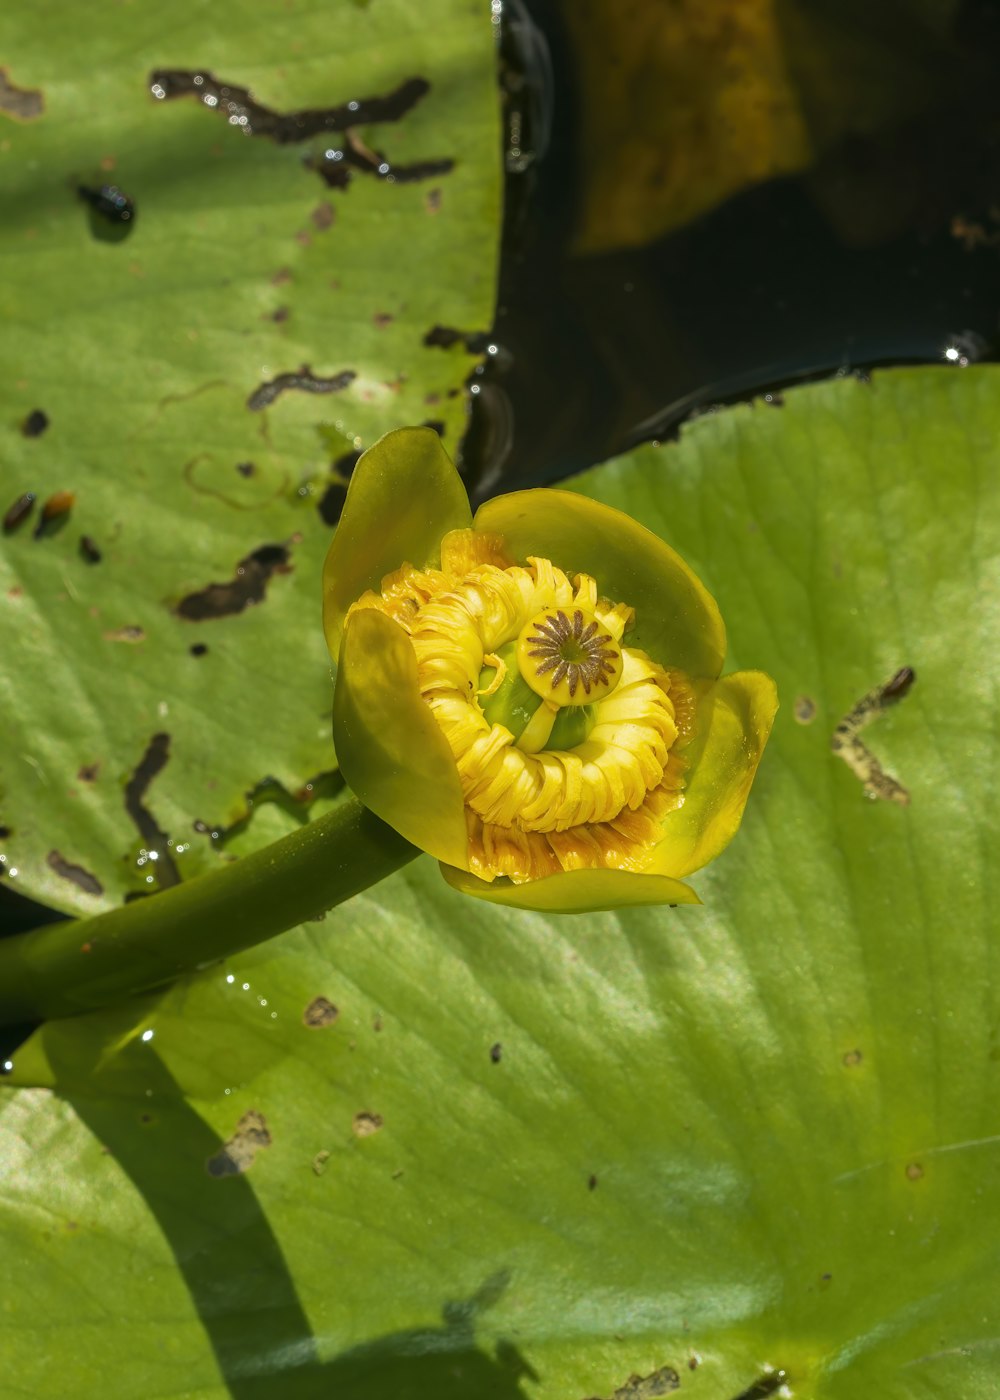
pixel 499 672
pixel 530 810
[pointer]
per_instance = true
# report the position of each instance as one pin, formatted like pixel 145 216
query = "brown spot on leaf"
pixel 89 550
pixel 804 709
pixel 35 423
pixel 23 104
pixel 852 1058
pixel 858 757
pixel 914 1171
pixel 496 1051
pixel 319 1013
pixel 18 512
pixel 76 874
pixel 660 1382
pixel 766 1386
pixel 319 1162
pixel 251 118
pixel 247 588
pixel 432 200
pixel 331 503
pixel 383 319
pixel 152 763
pixel 366 1123
pixel 444 337
pixel 283 274
pixel 130 634
pixel 324 215
pixel 87 772
pixel 304 380
pixel 252 1135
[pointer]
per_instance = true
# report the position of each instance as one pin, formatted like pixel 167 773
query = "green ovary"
pixel 535 724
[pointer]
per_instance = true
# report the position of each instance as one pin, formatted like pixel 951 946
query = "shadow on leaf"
pixel 236 1272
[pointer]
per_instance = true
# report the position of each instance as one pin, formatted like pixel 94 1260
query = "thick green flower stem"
pixel 68 968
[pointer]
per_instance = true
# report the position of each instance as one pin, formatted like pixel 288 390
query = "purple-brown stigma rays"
pixel 573 652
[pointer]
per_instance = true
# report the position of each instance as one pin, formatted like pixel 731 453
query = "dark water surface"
pixel 887 252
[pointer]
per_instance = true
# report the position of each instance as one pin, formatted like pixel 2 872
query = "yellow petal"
pixel 575 891
pixel 404 496
pixel 676 619
pixel 734 720
pixel 391 750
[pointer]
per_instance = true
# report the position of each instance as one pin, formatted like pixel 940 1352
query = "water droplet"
pixel 147 1035
pixel 230 977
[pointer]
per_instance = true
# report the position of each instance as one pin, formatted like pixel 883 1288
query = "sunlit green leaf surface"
pixel 148 345
pixel 532 1156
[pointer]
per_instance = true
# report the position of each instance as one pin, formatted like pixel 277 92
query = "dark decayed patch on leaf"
pixel 78 874
pixel 319 1013
pixel 660 1382
pixel 859 758
pixel 17 512
pixel 331 503
pixel 444 337
pixel 242 110
pixel 335 164
pixel 237 1154
pixel 35 423
pixel 23 104
pixel 156 841
pixel 89 551
pixel 345 464
pixel 766 1386
pixel 248 587
pixel 302 379
pixel 270 791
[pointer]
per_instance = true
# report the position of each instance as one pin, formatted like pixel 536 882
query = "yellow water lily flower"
pixel 533 695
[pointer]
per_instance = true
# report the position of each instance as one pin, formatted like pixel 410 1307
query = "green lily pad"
pixel 199 376
pixel 432 1147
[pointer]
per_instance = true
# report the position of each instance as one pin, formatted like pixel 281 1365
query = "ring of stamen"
pixel 568 657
